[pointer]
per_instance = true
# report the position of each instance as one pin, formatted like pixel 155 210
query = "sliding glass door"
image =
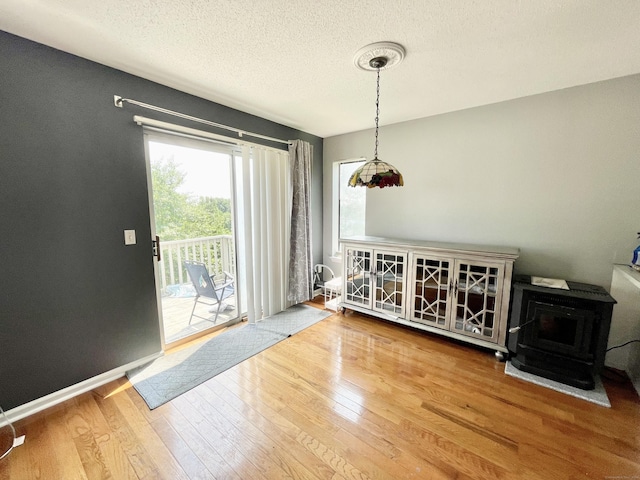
pixel 193 217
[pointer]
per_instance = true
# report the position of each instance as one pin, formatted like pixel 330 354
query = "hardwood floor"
pixel 348 398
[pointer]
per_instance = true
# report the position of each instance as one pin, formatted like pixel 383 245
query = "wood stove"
pixel 560 334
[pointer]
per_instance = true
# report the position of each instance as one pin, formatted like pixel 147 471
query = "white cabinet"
pixel 374 279
pixel 461 291
pixel 432 281
pixel 625 323
pixel 477 293
pixel 356 276
pixel 458 296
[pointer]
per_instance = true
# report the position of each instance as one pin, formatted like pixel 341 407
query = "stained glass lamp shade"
pixel 376 173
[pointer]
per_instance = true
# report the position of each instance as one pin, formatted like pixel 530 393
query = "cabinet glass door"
pixel 357 281
pixel 431 295
pixel 476 295
pixel 388 286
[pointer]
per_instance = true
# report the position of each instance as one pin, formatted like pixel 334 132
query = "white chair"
pixel 330 287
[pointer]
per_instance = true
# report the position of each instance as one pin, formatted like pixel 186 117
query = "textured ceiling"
pixel 292 61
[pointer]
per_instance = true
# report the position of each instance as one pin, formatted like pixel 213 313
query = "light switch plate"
pixel 129 237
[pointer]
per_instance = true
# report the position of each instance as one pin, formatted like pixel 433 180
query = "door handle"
pixel 156 247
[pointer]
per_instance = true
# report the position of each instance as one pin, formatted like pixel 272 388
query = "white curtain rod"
pixel 118 101
pixel 173 129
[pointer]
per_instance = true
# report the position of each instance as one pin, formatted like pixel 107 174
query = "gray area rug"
pixel 598 395
pixel 172 375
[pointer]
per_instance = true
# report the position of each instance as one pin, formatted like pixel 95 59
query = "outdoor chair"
pixel 206 287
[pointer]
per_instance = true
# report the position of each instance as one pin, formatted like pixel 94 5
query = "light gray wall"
pixel 556 175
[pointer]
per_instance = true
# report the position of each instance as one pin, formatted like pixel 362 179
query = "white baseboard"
pixel 60 396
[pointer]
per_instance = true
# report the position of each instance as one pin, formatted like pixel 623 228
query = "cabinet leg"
pixel 343 310
pixel 500 356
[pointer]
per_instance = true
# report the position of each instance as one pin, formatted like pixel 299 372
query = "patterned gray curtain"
pixel 301 263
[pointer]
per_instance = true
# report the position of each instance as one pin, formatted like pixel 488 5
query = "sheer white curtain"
pixel 266 204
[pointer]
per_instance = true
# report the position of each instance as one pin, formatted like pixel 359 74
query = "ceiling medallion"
pixel 392 52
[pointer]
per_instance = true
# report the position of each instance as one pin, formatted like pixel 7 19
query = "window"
pixel 349 204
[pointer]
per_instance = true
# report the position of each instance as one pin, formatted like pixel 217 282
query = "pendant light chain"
pixel 375 153
pixel 377 173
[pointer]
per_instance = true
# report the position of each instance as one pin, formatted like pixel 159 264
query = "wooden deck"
pixel 177 310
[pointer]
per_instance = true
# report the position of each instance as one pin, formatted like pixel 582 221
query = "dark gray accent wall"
pixel 76 302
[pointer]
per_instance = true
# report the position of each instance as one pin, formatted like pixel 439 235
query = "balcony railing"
pixel 215 252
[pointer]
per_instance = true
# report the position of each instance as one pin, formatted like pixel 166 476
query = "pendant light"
pixel 376 173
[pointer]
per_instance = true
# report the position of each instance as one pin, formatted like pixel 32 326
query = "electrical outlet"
pixel 129 237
